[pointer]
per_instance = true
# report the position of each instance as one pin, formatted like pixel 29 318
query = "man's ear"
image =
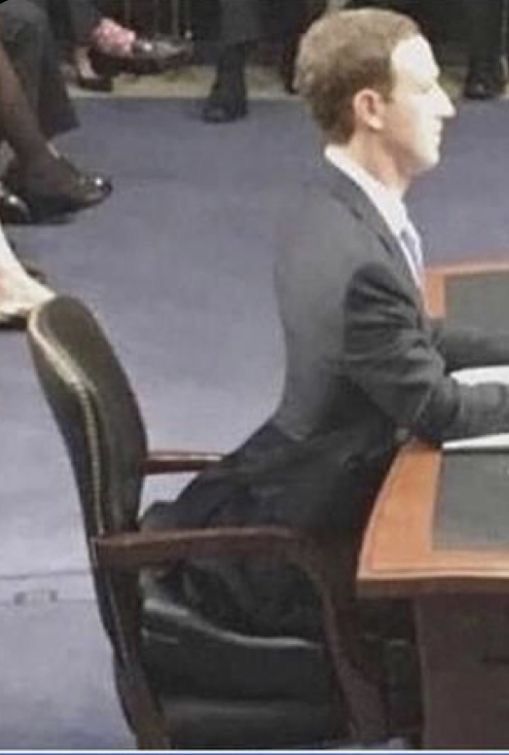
pixel 368 108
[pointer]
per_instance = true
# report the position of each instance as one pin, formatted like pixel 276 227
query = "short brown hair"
pixel 343 52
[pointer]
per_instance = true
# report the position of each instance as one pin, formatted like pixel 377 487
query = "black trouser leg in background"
pixel 28 40
pixel 82 17
pixel 486 37
pixel 240 26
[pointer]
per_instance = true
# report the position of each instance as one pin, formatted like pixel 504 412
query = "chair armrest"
pixel 317 556
pixel 137 550
pixel 167 462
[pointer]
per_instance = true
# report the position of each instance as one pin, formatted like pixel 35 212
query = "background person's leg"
pixel 486 35
pixel 83 17
pixel 38 173
pixel 26 33
pixel 240 25
pixel 75 21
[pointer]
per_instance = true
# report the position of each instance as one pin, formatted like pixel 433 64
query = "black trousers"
pixel 26 34
pixel 81 18
pixel 486 29
pixel 234 22
pixel 239 21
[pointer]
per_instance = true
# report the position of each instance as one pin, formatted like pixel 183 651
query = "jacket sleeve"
pixel 391 352
pixel 469 347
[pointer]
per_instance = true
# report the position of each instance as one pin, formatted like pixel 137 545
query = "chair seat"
pixel 207 659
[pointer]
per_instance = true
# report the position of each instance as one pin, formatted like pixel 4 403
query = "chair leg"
pixel 142 717
pixel 334 573
pixel 368 716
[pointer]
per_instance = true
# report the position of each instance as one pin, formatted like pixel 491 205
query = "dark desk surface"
pixel 441 522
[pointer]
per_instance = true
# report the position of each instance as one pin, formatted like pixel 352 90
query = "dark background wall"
pixel 441 19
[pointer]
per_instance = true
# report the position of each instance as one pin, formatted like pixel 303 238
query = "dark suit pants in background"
pixel 81 18
pixel 486 38
pixel 26 33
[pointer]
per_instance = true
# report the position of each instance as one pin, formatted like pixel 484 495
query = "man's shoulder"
pixel 325 225
pixel 325 249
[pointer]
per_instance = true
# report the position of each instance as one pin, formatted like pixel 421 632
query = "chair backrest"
pixel 98 416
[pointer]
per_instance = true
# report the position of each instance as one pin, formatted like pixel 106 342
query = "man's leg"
pixel 28 39
pixel 486 30
pixel 239 27
pixel 287 20
pixel 39 174
pixel 83 18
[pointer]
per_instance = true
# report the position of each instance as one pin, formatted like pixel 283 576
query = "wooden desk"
pixel 449 552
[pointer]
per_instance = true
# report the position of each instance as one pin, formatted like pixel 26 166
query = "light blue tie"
pixel 412 248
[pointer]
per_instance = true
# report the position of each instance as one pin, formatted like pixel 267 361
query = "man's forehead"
pixel 415 56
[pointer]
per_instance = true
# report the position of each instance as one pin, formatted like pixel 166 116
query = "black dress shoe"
pixel 160 51
pixel 12 208
pixel 95 83
pixel 486 80
pixel 216 110
pixel 44 207
pixel 103 183
pixel 147 56
pixel 227 100
pixel 57 188
pixel 483 88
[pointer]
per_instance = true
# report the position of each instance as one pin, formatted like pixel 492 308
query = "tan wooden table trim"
pixel 397 556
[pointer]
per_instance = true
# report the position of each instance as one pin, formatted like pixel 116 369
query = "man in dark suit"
pixel 365 367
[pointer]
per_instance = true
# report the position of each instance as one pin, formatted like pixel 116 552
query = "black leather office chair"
pixel 261 692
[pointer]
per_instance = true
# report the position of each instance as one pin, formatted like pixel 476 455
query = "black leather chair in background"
pixel 184 682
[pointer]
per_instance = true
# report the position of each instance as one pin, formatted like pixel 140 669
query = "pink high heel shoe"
pixel 116 49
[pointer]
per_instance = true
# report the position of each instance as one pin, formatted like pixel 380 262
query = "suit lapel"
pixel 349 193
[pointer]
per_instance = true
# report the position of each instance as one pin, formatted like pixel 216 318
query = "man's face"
pixel 415 112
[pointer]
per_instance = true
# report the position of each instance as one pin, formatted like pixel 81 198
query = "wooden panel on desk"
pixel 465 670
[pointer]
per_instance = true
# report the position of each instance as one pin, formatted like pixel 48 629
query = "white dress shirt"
pixel 389 205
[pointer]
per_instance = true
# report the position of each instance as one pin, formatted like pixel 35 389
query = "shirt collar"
pixel 386 201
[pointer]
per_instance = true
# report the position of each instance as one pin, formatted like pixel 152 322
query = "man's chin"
pixel 429 161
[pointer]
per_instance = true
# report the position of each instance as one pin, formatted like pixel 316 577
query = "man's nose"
pixel 445 107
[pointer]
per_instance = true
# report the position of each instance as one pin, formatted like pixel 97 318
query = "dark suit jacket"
pixel 365 370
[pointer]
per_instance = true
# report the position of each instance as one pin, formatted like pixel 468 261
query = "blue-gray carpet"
pixel 177 264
